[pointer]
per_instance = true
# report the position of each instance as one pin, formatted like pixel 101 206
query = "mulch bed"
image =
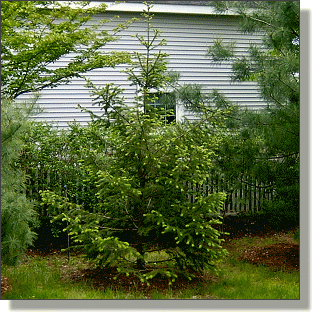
pixel 280 256
pixel 104 278
pixel 240 226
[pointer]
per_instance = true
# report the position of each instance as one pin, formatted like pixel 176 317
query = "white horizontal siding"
pixel 187 36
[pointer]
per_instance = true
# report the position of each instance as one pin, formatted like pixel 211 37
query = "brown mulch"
pixel 104 278
pixel 241 226
pixel 50 251
pixel 280 256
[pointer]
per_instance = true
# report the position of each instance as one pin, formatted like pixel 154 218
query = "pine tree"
pixel 274 132
pixel 17 212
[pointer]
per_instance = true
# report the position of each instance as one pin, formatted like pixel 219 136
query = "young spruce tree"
pixel 144 183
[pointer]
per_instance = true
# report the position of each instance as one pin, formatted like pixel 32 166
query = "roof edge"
pixel 165 8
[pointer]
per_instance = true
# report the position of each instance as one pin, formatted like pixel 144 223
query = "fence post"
pixel 68 237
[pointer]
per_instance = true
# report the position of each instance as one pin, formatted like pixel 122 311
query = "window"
pixel 166 104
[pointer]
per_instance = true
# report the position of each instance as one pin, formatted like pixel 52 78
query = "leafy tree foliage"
pixel 52 159
pixel 17 213
pixel 272 152
pixel 143 180
pixel 36 34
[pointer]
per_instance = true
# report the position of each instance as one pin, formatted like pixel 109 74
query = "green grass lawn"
pixel 49 278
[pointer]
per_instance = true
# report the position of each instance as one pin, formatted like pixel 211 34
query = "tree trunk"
pixel 140 260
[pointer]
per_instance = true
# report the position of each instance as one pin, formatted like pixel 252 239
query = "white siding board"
pixel 188 37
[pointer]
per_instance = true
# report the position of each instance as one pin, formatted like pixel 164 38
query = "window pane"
pixel 166 103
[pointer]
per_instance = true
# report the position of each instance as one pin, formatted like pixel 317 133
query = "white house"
pixel 189 27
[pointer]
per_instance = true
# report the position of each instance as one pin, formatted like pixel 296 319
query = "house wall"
pixel 188 37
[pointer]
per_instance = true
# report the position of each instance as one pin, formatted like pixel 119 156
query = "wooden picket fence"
pixel 244 196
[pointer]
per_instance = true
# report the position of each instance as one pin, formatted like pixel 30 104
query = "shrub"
pixel 53 160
